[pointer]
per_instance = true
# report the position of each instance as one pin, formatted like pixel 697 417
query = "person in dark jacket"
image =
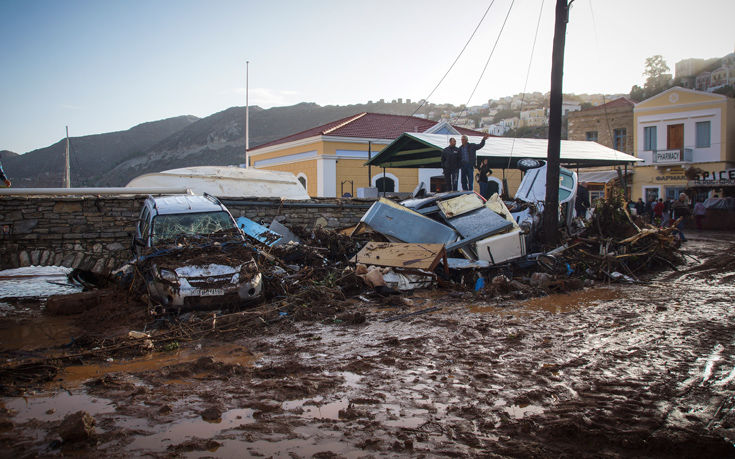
pixel 450 165
pixel 482 178
pixel 4 177
pixel 467 159
pixel 640 206
pixel 680 210
pixel 658 212
pixel 582 202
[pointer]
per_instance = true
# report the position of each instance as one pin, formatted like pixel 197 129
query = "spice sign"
pixel 715 178
pixel 667 156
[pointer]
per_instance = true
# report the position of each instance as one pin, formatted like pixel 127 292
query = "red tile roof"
pixel 367 125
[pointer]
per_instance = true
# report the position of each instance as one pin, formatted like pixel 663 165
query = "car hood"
pixel 208 270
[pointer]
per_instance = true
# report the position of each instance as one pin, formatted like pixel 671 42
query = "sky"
pixel 101 66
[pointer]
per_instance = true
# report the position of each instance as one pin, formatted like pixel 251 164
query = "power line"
pixel 488 58
pixel 426 99
pixel 604 102
pixel 525 85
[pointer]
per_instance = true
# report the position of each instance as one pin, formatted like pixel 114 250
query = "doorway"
pixel 650 194
pixel 674 136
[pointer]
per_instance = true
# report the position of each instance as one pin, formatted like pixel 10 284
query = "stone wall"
pixel 330 212
pixel 604 122
pixel 94 232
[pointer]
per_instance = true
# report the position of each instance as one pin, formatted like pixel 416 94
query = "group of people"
pixel 463 158
pixel 664 213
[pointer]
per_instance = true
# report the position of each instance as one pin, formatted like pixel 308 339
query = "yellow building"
pixel 677 130
pixel 329 159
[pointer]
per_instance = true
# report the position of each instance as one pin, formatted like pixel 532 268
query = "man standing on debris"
pixel 4 177
pixel 467 159
pixel 450 165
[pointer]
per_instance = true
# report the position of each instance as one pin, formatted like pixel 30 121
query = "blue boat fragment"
pixel 258 232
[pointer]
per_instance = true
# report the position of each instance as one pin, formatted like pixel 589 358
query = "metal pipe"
pixel 90 191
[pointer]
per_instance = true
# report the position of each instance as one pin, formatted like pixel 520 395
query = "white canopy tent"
pixel 418 150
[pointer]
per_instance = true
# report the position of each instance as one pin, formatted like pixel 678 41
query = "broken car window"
pixel 176 225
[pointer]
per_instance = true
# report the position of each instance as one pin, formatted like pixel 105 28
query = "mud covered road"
pixel 643 370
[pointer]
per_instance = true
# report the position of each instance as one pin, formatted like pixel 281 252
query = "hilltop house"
pixel 534 117
pixel 329 159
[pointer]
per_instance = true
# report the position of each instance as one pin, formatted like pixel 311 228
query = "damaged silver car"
pixel 182 244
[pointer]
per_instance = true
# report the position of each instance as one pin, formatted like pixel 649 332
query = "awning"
pixel 599 176
pixel 418 150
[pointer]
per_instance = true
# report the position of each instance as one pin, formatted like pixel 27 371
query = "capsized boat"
pixel 227 181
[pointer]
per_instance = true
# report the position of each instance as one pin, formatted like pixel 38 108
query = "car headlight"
pixel 168 275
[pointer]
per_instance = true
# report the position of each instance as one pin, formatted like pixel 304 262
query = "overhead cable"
pixel 426 99
pixel 528 73
pixel 488 58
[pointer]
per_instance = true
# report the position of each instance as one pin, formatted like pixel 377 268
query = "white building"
pixel 567 107
pixel 534 117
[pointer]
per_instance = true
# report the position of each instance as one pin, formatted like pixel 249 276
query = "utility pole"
pixel 551 206
pixel 247 112
pixel 67 172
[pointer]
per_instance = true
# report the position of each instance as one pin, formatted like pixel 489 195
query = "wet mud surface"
pixel 642 370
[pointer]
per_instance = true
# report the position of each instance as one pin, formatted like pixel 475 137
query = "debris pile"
pixel 613 247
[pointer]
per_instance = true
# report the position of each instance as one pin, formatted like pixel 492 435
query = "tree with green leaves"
pixel 657 79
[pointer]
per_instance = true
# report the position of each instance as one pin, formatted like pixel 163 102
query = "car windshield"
pixel 173 226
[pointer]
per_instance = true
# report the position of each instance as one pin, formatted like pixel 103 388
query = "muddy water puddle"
pixel 310 443
pixel 188 429
pixel 55 407
pixel 35 281
pixel 519 411
pixel 557 303
pixel 226 353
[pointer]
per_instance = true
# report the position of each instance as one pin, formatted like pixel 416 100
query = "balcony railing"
pixel 675 156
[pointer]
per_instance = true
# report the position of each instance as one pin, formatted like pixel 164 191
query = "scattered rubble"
pixel 341 352
pixel 321 277
pixel 77 427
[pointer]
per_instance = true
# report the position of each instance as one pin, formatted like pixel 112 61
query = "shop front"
pixel 654 182
pixel 713 182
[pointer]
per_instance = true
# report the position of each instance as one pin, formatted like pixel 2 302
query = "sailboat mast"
pixel 67 175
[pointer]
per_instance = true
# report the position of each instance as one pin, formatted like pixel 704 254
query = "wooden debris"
pixel 402 255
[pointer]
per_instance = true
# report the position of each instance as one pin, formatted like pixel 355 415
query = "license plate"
pixel 208 292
